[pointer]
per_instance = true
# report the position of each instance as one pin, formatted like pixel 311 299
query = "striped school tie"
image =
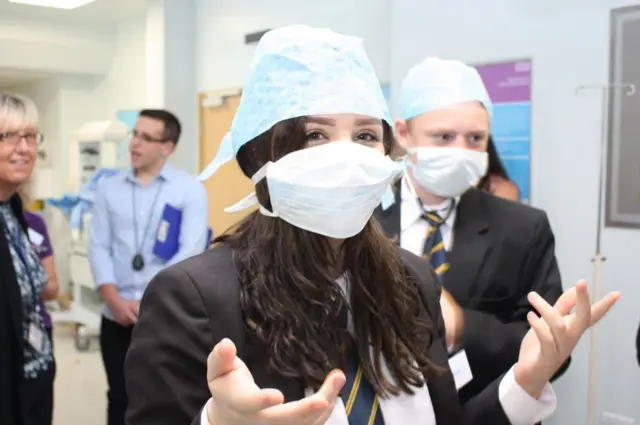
pixel 434 245
pixel 360 400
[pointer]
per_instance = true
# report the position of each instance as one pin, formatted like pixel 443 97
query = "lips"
pixel 19 162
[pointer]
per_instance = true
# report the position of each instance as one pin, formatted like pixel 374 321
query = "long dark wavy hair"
pixel 292 305
pixel 495 168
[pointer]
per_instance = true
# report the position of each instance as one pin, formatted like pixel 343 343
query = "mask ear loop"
pixel 389 196
pixel 251 199
pixel 407 178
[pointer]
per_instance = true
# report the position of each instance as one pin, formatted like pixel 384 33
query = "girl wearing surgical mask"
pixel 313 315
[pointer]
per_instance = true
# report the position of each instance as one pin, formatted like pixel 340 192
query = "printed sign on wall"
pixel 509 87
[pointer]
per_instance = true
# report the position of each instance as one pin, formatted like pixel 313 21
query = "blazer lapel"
pixel 470 244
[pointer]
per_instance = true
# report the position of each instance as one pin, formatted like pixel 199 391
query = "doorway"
pixel 228 185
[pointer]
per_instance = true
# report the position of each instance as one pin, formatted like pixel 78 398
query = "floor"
pixel 80 388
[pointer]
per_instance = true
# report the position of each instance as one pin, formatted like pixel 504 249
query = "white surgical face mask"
pixel 330 189
pixel 448 172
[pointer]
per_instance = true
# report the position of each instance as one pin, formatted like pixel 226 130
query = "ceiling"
pixel 100 11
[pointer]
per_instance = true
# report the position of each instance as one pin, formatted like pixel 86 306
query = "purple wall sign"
pixel 509 87
pixel 507 82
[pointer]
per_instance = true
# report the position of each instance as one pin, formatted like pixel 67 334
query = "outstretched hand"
pixel 237 400
pixel 554 334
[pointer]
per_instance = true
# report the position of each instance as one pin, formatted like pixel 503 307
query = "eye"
pixel 315 135
pixel 476 138
pixel 446 137
pixel 367 137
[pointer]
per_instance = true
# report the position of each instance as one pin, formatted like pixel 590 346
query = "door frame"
pixel 212 96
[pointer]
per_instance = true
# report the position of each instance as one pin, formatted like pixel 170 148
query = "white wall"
pixel 124 86
pixel 569 44
pixel 223 57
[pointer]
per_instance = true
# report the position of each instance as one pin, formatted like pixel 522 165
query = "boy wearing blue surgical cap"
pixel 488 253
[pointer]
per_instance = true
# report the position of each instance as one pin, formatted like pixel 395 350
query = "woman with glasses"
pixel 26 359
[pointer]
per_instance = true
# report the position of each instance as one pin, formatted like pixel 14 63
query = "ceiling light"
pixel 58 4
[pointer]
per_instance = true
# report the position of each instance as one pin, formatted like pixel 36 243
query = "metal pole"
pixel 598 259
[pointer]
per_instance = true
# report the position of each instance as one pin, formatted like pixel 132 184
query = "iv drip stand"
pixel 598 259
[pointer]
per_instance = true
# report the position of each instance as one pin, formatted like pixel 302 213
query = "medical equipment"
pixel 96 147
pixel 599 258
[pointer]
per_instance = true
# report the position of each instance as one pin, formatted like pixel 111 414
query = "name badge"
pixel 36 338
pixel 36 238
pixel 163 230
pixel 460 368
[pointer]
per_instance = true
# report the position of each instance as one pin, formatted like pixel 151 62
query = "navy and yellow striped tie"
pixel 360 400
pixel 434 250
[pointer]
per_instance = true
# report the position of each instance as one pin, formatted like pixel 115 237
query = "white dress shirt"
pixel 413 227
pixel 519 407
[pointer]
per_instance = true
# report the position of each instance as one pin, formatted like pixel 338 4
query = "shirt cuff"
pixel 519 407
pixel 204 417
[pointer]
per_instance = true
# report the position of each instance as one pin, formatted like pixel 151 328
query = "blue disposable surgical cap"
pixel 437 83
pixel 298 71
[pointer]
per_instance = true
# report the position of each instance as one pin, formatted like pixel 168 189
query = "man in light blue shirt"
pixel 127 223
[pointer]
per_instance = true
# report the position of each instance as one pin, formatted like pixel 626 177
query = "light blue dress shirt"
pixel 112 243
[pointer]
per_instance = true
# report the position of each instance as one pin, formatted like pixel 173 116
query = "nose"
pixel 23 145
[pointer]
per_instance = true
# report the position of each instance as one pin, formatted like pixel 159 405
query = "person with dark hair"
pixel 314 316
pixel 496 180
pixel 27 367
pixel 143 219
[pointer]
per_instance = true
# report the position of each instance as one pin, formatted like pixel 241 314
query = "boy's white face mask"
pixel 330 189
pixel 447 172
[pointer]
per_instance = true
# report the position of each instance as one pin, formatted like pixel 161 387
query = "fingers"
pixel 553 320
pixel 547 346
pixel 599 309
pixel 330 389
pixel 232 385
pixel 315 408
pixel 583 307
pixel 221 360
pixel 566 302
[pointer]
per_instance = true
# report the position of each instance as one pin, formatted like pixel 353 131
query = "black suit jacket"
pixel 502 250
pixel 189 307
pixel 11 339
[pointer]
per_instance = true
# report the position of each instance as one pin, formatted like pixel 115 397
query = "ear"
pixel 168 148
pixel 402 133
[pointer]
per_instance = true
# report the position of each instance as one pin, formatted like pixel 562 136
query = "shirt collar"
pixel 167 173
pixel 411 210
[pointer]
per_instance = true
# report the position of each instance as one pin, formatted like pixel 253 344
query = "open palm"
pixel 554 334
pixel 237 400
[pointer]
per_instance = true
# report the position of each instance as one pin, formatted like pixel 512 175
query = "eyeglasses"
pixel 14 137
pixel 145 137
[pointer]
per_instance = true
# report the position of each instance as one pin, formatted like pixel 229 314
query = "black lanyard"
pixel 138 244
